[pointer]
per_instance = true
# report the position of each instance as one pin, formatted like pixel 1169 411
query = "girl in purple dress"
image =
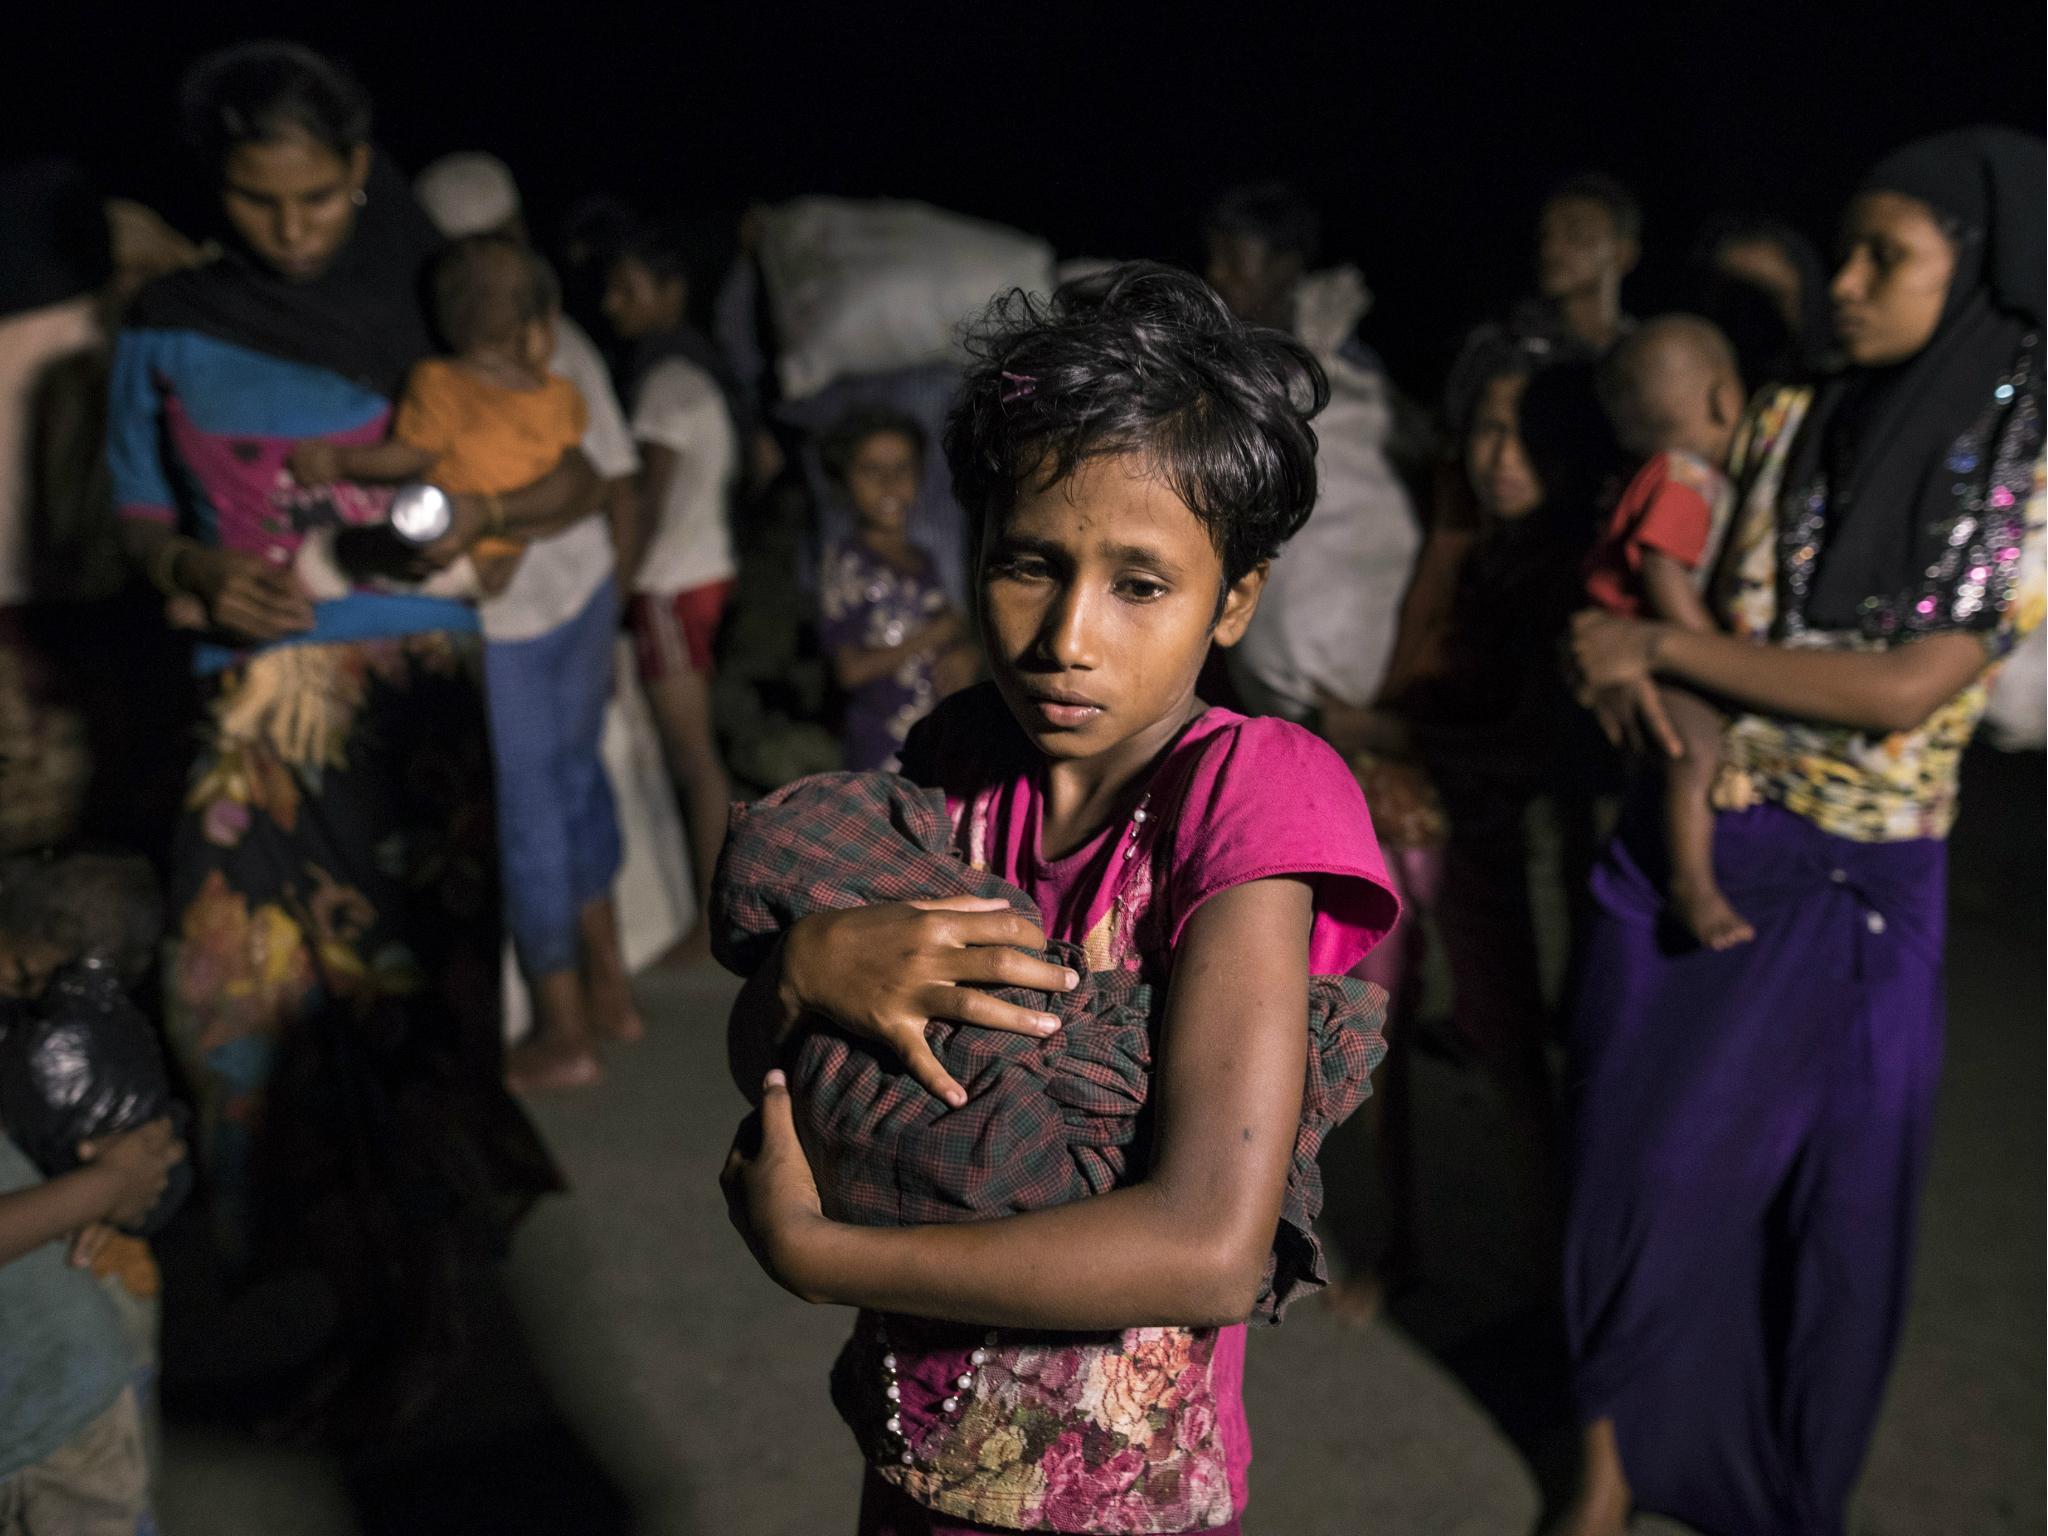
pixel 897 645
pixel 1752 1123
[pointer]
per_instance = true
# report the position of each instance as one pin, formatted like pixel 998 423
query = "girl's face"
pixel 1892 285
pixel 1496 462
pixel 638 303
pixel 882 480
pixel 1099 607
pixel 292 202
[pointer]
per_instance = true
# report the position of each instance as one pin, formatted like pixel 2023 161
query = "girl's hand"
pixel 137 1165
pixel 246 595
pixel 1614 663
pixel 770 1193
pixel 884 972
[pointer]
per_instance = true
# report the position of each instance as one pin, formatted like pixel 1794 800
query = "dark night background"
pixel 1427 132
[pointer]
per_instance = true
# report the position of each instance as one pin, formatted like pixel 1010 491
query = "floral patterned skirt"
pixel 333 983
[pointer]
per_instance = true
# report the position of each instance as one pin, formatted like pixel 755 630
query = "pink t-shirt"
pixel 1235 799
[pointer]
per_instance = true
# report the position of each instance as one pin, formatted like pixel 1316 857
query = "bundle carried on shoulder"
pixel 859 287
pixel 1047 1121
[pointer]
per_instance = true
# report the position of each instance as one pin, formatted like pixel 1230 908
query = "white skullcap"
pixel 467 194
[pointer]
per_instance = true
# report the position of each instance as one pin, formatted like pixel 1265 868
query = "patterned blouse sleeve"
pixel 2022 615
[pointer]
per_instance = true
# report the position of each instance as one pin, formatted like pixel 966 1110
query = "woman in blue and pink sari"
pixel 333 988
pixel 1752 1124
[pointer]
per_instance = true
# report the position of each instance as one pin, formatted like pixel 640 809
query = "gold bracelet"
pixel 163 567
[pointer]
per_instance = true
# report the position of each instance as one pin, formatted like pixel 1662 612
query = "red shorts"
pixel 673 631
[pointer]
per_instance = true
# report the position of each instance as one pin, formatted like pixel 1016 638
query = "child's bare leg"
pixel 557 1054
pixel 1696 897
pixel 682 710
pixel 607 993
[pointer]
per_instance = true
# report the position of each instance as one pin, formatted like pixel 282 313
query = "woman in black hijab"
pixel 1752 1124
pixel 333 991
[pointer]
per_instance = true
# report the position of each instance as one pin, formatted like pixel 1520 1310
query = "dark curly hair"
pixel 837 448
pixel 258 93
pixel 1142 359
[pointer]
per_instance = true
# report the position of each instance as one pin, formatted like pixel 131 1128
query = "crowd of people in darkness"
pixel 1061 710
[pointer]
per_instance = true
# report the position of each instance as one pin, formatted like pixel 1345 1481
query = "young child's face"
pixel 1099 598
pixel 1496 462
pixel 881 480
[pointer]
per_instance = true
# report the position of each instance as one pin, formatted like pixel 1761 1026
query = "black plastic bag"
pixel 80 1063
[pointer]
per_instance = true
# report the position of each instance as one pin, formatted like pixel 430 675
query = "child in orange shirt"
pixel 1675 396
pixel 491 418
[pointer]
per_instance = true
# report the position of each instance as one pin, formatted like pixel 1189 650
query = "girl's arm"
pixel 1891 690
pixel 1186 1247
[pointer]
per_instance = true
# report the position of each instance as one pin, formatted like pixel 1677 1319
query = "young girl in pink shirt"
pixel 1133 456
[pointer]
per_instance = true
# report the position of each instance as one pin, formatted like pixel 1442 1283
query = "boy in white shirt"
pixel 681 569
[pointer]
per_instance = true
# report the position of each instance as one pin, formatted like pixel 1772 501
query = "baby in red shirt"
pixel 1675 397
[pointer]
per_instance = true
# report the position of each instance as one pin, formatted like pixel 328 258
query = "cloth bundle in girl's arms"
pixel 1047 1121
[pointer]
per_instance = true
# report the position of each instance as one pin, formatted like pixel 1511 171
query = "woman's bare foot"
pixel 607 993
pixel 1706 913
pixel 1355 1299
pixel 557 1055
pixel 1602 1505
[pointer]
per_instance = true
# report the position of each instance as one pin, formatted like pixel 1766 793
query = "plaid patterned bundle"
pixel 1046 1121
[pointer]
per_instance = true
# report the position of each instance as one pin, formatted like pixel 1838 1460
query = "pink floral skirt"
pixel 1134 1434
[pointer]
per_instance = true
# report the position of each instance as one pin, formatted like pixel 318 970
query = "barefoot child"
pixel 488 420
pixel 1134 456
pixel 1675 397
pixel 897 645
